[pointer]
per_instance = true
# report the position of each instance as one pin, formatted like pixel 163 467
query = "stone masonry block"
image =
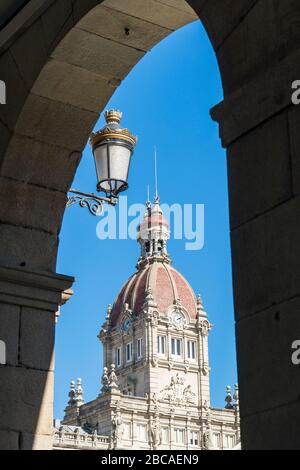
pixel 277 428
pixel 81 8
pixel 268 377
pixel 73 85
pixel 183 5
pixel 54 122
pixel 153 11
pixel 36 442
pixel 125 29
pixel 221 19
pixel 26 400
pixel 16 92
pixel 25 247
pixel 37 338
pixel 30 52
pixel 9 440
pixel 259 173
pixel 99 55
pixel 5 138
pixel 265 259
pixel 35 162
pixel 294 123
pixel 272 33
pixel 54 20
pixel 9 331
pixel 31 206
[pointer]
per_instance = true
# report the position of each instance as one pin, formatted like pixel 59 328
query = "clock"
pixel 126 325
pixel 177 319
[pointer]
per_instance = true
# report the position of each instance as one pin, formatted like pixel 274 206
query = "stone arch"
pixel 48 52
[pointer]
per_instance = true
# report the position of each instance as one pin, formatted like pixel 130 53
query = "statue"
pixel 156 434
pixel 228 398
pixel 72 394
pixel 113 379
pixel 79 393
pixel 206 440
pixel 188 395
pixel 117 429
pixel 105 380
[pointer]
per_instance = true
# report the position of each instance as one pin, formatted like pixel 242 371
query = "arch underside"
pixel 61 62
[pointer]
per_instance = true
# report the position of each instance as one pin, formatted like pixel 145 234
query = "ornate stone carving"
pixel 79 393
pixel 155 431
pixel 188 395
pixel 117 429
pixel 177 394
pixel 154 361
pixel 236 396
pixel 113 379
pixel 228 398
pixel 206 438
pixel 204 327
pixel 205 368
pixel 105 380
pixel 72 394
pixel 177 318
pixel 205 406
pixel 149 296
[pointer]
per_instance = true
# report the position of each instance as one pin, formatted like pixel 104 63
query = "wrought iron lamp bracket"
pixel 91 201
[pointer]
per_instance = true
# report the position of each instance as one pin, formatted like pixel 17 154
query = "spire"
pixel 236 396
pixel 72 394
pixel 155 173
pixel 79 393
pixel 153 234
pixel 228 398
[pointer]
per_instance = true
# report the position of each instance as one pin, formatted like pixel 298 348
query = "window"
pixel 193 440
pixel 141 430
pixel 165 436
pixel 229 441
pixel 161 344
pixel 191 350
pixel 179 436
pixel 217 440
pixel 127 431
pixel 176 347
pixel 128 352
pixel 118 357
pixel 139 348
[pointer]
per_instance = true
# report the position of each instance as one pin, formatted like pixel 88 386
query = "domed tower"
pixel 156 333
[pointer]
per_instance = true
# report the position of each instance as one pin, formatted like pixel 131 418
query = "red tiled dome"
pixel 167 285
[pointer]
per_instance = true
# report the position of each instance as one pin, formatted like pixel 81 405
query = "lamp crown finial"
pixel 113 115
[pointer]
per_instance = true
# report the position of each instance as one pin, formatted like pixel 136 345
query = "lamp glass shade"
pixel 112 160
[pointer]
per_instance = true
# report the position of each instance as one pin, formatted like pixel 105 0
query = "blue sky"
pixel 165 101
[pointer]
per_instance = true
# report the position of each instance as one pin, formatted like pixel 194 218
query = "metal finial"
pixel 148 202
pixel 155 170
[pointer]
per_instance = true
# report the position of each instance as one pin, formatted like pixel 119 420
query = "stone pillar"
pixel 28 305
pixel 259 126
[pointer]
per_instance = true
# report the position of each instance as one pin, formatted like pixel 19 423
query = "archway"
pixel 192 169
pixel 256 44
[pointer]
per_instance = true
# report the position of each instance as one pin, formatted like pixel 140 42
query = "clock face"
pixel 126 325
pixel 178 319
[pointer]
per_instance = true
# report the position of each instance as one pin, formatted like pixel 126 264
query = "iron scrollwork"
pixel 91 201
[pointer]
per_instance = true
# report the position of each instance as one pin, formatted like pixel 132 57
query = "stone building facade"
pixel 155 385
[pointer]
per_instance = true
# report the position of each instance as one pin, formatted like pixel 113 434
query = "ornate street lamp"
pixel 112 149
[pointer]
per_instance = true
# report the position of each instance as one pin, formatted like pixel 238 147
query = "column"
pixel 28 305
